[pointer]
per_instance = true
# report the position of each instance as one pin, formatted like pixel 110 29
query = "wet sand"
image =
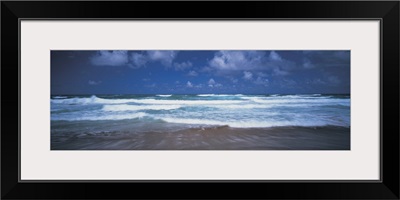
pixel 211 138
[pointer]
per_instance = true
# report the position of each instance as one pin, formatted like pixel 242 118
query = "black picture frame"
pixel 386 11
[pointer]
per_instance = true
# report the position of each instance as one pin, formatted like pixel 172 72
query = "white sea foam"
pixel 311 101
pixel 219 95
pixel 244 123
pixel 96 100
pixel 164 95
pixel 186 102
pixel 92 100
pixel 206 95
pixel 125 107
pixel 240 106
pixel 101 117
pixel 60 97
pixel 246 111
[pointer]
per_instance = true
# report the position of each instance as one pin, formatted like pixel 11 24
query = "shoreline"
pixel 211 138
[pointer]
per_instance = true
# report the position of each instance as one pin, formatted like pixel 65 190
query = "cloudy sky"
pixel 189 72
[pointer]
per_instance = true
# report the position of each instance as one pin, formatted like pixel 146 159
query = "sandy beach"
pixel 211 138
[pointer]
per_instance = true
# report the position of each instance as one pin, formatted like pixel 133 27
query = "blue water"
pixel 238 111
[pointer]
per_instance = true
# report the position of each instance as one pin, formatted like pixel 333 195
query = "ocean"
pixel 99 121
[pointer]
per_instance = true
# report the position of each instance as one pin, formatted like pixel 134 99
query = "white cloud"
pixel 280 72
pixel 138 60
pixel 234 80
pixel 261 81
pixel 236 60
pixel 261 74
pixel 182 66
pixel 193 73
pixel 211 82
pixel 189 84
pixel 90 82
pixel 110 58
pixel 199 86
pixel 247 75
pixel 275 56
pixel 231 62
pixel 307 64
pixel 165 57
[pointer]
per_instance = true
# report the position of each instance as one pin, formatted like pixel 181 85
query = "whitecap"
pixel 126 107
pixel 164 95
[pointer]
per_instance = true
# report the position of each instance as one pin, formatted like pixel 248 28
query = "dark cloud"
pixel 326 59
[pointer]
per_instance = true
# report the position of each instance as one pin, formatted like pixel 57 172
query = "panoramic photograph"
pixel 200 100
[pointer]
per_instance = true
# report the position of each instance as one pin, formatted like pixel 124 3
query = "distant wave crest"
pixel 164 95
pixel 125 107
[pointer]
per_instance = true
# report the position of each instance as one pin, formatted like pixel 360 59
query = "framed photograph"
pixel 289 96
